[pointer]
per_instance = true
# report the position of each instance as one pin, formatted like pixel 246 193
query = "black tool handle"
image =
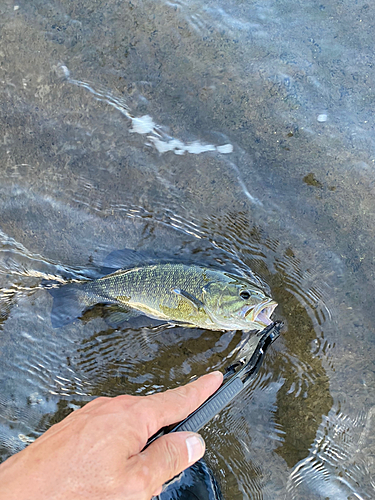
pixel 228 390
pixel 202 415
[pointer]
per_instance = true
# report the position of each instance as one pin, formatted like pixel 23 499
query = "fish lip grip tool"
pixel 238 376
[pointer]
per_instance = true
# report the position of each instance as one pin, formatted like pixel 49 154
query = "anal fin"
pixel 115 316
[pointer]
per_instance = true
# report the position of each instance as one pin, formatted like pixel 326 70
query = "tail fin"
pixel 69 302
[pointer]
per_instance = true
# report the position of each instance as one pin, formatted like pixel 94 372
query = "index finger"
pixel 165 408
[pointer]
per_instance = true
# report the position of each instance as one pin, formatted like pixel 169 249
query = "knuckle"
pixel 126 400
pixel 100 399
pixel 95 403
pixel 172 456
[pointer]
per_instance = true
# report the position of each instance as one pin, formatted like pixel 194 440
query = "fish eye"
pixel 245 295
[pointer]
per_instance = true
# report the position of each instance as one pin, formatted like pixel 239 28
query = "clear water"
pixel 230 132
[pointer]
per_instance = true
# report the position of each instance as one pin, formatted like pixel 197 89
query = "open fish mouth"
pixel 261 313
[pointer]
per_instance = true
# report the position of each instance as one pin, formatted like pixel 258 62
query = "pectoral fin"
pixel 198 304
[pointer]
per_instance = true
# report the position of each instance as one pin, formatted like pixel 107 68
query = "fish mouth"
pixel 261 312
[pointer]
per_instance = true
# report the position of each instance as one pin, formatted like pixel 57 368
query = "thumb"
pixel 166 457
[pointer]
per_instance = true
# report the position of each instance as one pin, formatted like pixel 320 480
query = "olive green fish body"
pixel 191 295
pixel 155 290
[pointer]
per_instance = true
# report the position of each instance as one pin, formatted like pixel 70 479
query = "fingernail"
pixel 196 447
pixel 217 374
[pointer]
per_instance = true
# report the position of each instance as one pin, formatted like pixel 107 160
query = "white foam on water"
pixel 225 149
pixel 145 125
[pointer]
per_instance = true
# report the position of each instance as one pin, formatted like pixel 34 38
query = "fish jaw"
pixel 250 318
pixel 261 313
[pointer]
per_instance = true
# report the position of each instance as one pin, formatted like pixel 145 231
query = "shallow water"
pixel 223 133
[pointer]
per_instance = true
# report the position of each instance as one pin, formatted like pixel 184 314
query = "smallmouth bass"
pixel 184 294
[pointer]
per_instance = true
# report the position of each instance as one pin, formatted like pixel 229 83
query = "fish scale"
pixel 149 289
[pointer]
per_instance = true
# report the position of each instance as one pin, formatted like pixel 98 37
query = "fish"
pixel 178 293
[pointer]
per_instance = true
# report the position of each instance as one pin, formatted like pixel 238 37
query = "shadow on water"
pixel 304 398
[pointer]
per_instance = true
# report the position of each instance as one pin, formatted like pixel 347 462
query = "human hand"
pixel 96 452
